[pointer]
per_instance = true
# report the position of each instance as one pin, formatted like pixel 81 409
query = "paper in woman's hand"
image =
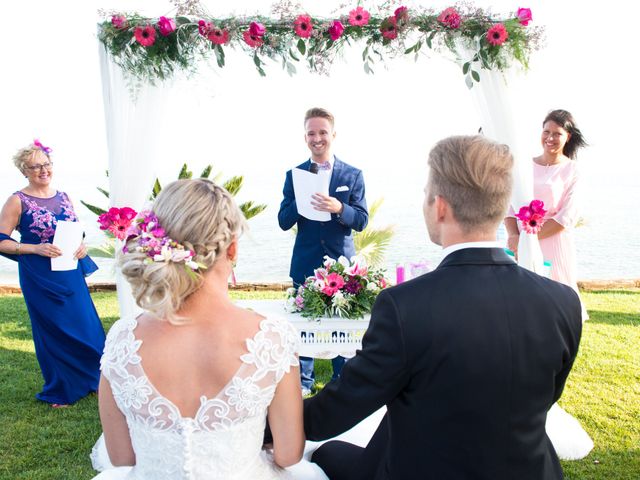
pixel 68 238
pixel 305 184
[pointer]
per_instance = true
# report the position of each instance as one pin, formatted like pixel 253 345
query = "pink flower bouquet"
pixel 532 216
pixel 342 288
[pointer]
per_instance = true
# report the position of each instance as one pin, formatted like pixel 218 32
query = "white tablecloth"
pixel 319 338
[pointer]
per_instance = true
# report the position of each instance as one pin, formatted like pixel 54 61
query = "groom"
pixel 467 358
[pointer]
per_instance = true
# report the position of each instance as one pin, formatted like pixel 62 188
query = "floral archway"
pixel 141 55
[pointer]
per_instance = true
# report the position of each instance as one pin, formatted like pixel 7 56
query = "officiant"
pixel 344 202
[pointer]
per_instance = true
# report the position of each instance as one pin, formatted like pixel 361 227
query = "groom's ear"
pixel 442 208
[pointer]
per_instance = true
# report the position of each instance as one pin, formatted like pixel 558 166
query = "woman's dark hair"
pixel 566 121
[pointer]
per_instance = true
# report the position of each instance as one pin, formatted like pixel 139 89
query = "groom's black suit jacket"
pixel 468 360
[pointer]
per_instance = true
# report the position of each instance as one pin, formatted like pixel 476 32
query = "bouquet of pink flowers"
pixel 342 288
pixel 532 216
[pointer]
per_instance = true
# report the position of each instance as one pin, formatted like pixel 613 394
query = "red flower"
pixel 166 26
pixel 303 26
pixel 117 221
pixel 218 36
pixel 401 14
pixel 257 29
pixel 450 18
pixel 254 41
pixel 146 36
pixel 358 17
pixel 497 35
pixel 119 22
pixel 389 28
pixel 335 30
pixel 204 27
pixel 524 16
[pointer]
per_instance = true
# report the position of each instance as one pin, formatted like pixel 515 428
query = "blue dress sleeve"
pixel 10 256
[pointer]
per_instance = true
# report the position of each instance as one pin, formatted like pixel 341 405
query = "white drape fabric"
pixel 494 102
pixel 130 121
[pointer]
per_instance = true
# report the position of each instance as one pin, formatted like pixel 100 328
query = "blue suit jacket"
pixel 315 239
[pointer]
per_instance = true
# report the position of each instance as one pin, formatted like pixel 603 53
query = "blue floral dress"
pixel 67 332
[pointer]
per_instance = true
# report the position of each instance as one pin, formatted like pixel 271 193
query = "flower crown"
pixel 39 145
pixel 152 239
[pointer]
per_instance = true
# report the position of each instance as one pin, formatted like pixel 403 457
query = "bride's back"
pixel 196 358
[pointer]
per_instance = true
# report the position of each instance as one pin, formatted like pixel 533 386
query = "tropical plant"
pixel 233 185
pixel 371 243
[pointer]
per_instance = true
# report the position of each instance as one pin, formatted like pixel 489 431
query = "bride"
pixel 187 386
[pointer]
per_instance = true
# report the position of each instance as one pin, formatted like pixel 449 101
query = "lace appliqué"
pixel 224 439
pixel 44 220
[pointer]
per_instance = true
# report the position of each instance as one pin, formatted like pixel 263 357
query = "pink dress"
pixel 557 187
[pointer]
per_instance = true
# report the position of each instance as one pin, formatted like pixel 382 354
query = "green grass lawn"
pixel 603 392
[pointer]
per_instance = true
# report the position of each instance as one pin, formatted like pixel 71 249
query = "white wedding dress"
pixel 225 438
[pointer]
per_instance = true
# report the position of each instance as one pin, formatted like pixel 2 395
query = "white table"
pixel 321 337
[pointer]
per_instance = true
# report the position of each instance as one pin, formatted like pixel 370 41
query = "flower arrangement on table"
pixel 125 224
pixel 151 49
pixel 341 288
pixel 532 216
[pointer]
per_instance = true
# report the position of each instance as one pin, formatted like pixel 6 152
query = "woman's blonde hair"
pixel 201 216
pixel 25 154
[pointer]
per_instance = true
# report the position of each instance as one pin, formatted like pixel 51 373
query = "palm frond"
pixel 97 210
pixel 250 209
pixel 206 172
pixel 106 250
pixel 234 184
pixel 185 172
pixel 372 243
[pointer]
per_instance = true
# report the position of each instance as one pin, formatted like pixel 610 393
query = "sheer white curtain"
pixel 132 124
pixel 495 106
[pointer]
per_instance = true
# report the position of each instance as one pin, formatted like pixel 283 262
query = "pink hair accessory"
pixel 38 144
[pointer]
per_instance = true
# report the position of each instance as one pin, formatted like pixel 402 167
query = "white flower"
pixel 291 291
pixel 178 255
pixel 372 287
pixel 343 261
pixel 133 392
pixel 339 300
pixel 165 255
pixel 328 261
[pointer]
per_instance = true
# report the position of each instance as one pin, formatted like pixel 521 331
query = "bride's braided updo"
pixel 201 216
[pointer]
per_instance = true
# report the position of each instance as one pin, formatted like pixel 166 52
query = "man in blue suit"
pixel 346 203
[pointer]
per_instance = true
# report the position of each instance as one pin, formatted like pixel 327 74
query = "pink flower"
pixel 146 36
pixel 524 15
pixel 117 221
pixel 257 29
pixel 357 269
pixel 204 27
pixel 119 22
pixel 532 216
pixel 382 283
pixel 497 35
pixel 303 26
pixel 335 30
pixel 450 17
pixel 166 26
pixel 299 302
pixel 358 17
pixel 253 41
pixel 218 36
pixel 537 206
pixel 401 14
pixel 389 28
pixel 333 283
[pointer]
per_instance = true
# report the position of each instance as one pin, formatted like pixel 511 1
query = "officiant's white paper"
pixel 68 238
pixel 306 184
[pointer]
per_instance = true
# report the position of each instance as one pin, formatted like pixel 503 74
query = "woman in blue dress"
pixel 67 333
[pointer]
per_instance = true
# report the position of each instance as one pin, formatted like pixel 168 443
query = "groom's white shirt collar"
pixel 459 246
pixel 331 161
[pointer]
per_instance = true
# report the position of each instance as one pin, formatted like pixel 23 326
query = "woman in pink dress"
pixel 555 182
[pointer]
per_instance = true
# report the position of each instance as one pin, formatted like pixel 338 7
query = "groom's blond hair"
pixel 473 174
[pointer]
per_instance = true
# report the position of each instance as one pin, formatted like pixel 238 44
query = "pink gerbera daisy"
pixel 303 26
pixel 358 17
pixel 253 41
pixel 497 35
pixel 389 28
pixel 146 36
pixel 218 36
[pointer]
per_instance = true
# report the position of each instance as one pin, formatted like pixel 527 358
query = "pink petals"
pixel 497 35
pixel 358 17
pixel 532 216
pixel 145 36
